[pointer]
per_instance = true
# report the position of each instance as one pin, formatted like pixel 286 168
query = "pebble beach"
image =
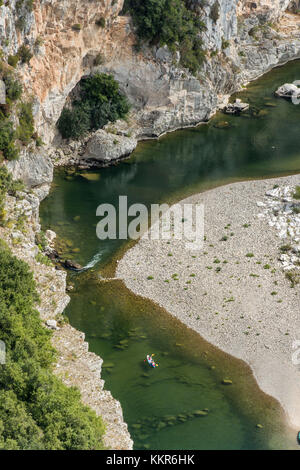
pixel 240 292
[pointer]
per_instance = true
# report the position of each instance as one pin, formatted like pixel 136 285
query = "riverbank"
pixel 75 366
pixel 235 293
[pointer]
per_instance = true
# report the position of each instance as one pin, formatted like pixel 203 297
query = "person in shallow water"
pixel 151 361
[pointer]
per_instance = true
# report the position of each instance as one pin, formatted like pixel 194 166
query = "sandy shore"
pixel 242 304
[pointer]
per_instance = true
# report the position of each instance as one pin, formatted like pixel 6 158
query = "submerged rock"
pixel 200 413
pixel 222 125
pixel 68 264
pixel 90 176
pixel 227 382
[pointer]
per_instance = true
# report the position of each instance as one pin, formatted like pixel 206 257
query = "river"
pixel 182 404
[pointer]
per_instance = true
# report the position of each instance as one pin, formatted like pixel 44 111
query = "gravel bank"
pixel 234 292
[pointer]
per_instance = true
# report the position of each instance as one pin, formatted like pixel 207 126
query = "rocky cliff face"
pixel 244 40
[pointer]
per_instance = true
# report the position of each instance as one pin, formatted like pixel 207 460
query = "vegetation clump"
pixel 25 129
pixel 37 411
pixel 296 194
pixel 215 11
pixel 169 22
pixel 8 149
pixel 100 102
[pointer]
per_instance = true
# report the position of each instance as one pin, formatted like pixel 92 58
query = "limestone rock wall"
pixel 61 33
pixel 66 39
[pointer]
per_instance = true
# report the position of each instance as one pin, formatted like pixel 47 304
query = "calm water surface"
pixel 162 406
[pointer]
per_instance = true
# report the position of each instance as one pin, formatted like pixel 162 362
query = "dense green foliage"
pixel 100 102
pixel 12 110
pixel 75 122
pixel 8 149
pixel 13 88
pixel 37 411
pixel 169 22
pixel 215 11
pixel 25 129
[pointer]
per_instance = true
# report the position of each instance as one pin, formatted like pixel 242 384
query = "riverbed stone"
pixel 288 90
pixel 227 382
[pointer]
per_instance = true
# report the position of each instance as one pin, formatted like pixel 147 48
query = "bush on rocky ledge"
pixel 100 102
pixel 169 22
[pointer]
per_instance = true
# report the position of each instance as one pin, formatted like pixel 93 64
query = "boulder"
pixel 237 107
pixel 52 324
pixel 227 382
pixel 105 147
pixel 34 168
pixel 2 92
pixel 164 54
pixel 288 90
pixel 68 264
pixel 50 235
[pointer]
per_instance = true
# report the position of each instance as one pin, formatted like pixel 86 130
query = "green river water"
pixel 161 406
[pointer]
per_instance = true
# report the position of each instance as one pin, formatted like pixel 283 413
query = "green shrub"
pixel 40 258
pixel 293 276
pixel 37 411
pixel 100 102
pixel 225 43
pixel 13 60
pixel 101 22
pixel 21 23
pixel 77 27
pixel 13 88
pixel 41 240
pixel 7 140
pixel 296 194
pixel 25 54
pixel 74 123
pixel 215 11
pixel 25 129
pixel 169 22
pixel 7 184
pixel 101 92
pixel 99 59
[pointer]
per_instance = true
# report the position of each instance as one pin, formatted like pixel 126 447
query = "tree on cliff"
pixel 100 102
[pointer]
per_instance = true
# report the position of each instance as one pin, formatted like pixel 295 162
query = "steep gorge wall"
pixel 59 48
pixel 163 95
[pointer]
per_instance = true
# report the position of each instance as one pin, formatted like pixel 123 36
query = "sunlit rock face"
pixel 71 39
pixel 62 34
